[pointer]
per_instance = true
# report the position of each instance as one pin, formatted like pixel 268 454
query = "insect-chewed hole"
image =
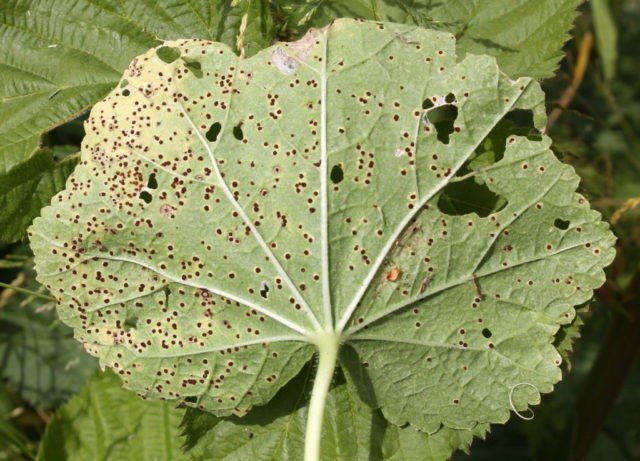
pixel 152 182
pixel 442 118
pixel 467 196
pixel 125 92
pixel 130 322
pixel 336 175
pixel 491 149
pixel 191 399
pixel 427 104
pixel 194 66
pixel 487 333
pixel 450 98
pixel 237 132
pixel 520 117
pixel 168 54
pixel 213 132
pixel 264 289
pixel 561 224
pixel 146 196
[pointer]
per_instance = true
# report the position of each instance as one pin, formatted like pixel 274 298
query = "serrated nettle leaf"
pixel 221 227
pixel 25 189
pixel 105 422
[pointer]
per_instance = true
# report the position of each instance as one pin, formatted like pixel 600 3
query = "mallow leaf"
pixel 353 431
pixel 224 224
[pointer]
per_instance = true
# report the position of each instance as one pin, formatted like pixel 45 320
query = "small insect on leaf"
pixel 477 286
pixel 407 232
pixel 393 274
pixel 425 283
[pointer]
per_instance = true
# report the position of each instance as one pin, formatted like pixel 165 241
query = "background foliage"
pixel 595 115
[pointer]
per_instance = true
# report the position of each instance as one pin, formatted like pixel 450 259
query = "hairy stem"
pixel 328 344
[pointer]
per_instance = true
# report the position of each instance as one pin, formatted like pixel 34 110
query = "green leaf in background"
pixel 39 357
pixel 525 36
pixel 238 217
pixel 105 422
pixel 353 431
pixel 14 445
pixel 25 189
pixel 59 57
pixel 568 335
pixel 606 36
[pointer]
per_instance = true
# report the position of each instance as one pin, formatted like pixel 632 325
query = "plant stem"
pixel 328 344
pixel 27 292
pixel 615 360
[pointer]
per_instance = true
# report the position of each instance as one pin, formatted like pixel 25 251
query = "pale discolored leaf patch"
pixel 227 211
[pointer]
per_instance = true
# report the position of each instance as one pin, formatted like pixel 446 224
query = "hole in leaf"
pixel 264 289
pixel 521 117
pixel 131 322
pixel 191 399
pixel 561 224
pixel 427 104
pixel 486 333
pixel 237 132
pixel 442 118
pixel 491 149
pixel 450 98
pixel 152 183
pixel 195 67
pixel 214 131
pixel 463 197
pixel 125 92
pixel 70 133
pixel 168 54
pixel 337 175
pixel 146 196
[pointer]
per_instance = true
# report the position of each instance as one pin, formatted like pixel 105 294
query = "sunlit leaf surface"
pixel 226 211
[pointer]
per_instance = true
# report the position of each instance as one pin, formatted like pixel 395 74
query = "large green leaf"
pixel 525 36
pixel 353 432
pixel 230 214
pixel 106 423
pixel 39 357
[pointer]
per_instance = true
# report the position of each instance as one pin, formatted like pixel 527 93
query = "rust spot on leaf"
pixel 393 274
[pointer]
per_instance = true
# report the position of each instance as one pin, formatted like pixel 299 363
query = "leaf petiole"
pixel 328 343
